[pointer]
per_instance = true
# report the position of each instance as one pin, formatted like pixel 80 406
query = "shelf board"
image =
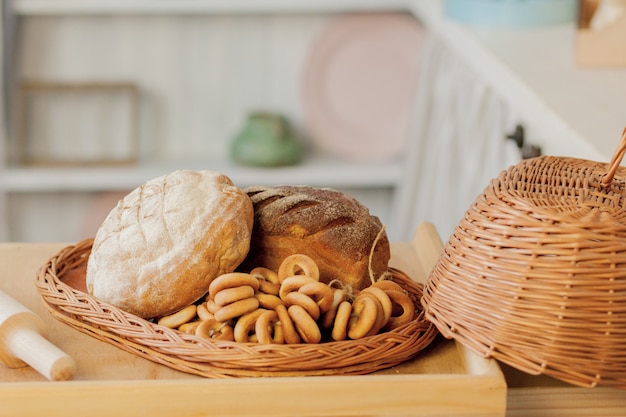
pixel 316 171
pixel 77 7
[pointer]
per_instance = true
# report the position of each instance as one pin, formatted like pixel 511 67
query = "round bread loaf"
pixel 331 227
pixel 159 249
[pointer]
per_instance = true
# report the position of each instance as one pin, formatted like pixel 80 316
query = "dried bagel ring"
pixel 279 333
pixel 231 280
pixel 306 327
pixel 268 301
pixel 211 306
pixel 365 313
pixel 213 329
pixel 304 301
pixel 189 327
pixel 268 280
pixel 380 314
pixel 246 324
pixel 340 325
pixel 230 295
pixel 290 334
pixel 328 318
pixel 401 301
pixel 203 311
pixel 384 299
pixel 266 274
pixel 179 318
pixel 293 283
pixel 236 309
pixel 321 293
pixel 298 264
pixel 387 284
pixel 268 287
pixel 268 328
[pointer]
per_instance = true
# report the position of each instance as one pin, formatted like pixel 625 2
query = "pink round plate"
pixel 359 84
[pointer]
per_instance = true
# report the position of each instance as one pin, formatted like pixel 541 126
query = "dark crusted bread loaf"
pixel 331 227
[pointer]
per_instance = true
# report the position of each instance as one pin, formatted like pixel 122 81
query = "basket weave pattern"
pixel 534 275
pixel 222 359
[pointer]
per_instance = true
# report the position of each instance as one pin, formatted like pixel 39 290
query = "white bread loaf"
pixel 162 245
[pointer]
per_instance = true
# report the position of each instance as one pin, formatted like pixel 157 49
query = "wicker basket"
pixel 210 358
pixel 534 275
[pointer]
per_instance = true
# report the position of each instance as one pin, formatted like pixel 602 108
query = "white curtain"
pixel 458 142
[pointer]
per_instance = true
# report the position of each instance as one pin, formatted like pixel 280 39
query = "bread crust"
pixel 330 226
pixel 159 249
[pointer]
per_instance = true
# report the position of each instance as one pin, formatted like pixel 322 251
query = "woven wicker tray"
pixel 210 358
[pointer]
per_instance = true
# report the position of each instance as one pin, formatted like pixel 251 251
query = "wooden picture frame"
pixel 77 123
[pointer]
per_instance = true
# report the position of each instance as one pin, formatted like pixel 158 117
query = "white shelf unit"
pixel 315 171
pixel 372 183
pixel 78 7
pixel 568 110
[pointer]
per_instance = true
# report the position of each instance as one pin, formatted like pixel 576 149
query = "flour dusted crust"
pixel 162 245
pixel 331 227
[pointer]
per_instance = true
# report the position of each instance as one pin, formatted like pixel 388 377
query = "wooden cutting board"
pixel 444 380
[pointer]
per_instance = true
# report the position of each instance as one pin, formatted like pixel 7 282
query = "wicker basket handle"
pixel 615 162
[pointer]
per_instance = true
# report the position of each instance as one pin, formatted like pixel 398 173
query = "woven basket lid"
pixel 534 274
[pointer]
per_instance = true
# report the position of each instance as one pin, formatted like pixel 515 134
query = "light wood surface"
pixel 444 380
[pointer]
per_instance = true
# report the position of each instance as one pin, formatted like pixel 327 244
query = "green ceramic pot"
pixel 266 140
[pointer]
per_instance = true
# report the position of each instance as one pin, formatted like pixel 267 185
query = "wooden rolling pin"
pixel 23 342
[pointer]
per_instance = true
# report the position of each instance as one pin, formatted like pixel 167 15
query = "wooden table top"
pixel 445 380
